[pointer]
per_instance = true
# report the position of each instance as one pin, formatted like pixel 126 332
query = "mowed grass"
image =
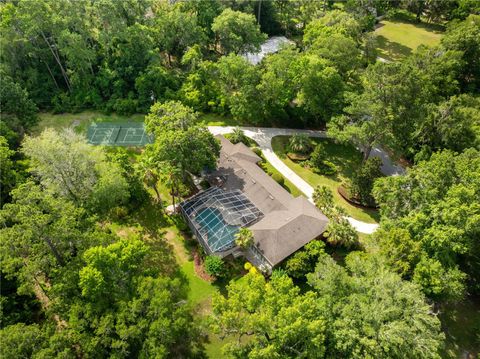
pixel 289 186
pixel 213 119
pixel 345 157
pixel 399 38
pixel 80 120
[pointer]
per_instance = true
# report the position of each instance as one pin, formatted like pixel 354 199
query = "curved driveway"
pixel 263 136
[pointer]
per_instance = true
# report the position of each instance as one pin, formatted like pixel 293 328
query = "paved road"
pixel 263 136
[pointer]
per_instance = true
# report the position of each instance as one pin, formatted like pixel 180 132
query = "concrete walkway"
pixel 263 136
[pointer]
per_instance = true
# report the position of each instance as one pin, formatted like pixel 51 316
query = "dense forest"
pixel 78 282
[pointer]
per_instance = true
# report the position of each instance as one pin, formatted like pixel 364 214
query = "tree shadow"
pixel 392 50
pixel 154 226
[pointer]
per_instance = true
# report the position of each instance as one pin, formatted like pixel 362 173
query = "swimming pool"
pixel 219 234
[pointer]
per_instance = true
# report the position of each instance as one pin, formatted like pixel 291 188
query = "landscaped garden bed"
pixel 353 201
pixel 346 161
pixel 297 157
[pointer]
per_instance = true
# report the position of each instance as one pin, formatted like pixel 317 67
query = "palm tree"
pixel 172 178
pixel 299 144
pixel 238 136
pixel 323 199
pixel 340 231
pixel 244 238
pixel 148 169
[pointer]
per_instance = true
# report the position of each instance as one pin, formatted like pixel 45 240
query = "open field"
pixel 399 38
pixel 346 158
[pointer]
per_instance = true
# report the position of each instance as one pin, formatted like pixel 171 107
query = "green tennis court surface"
pixel 118 134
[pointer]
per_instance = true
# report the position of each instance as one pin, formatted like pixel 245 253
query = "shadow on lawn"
pixel 156 227
pixel 392 50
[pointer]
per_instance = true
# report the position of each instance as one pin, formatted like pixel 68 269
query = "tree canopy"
pixel 68 166
pixel 237 32
pixel 371 312
pixel 440 212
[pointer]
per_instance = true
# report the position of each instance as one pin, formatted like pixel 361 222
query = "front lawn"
pixel 345 157
pixel 399 38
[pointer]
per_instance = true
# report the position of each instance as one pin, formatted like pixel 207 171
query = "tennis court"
pixel 118 134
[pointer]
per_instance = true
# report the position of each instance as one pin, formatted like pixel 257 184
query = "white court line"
pixel 110 135
pixel 127 134
pixel 93 136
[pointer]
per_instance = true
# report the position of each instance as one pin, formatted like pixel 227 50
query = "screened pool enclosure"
pixel 215 216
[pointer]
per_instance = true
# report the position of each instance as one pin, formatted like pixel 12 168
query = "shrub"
pixel 62 103
pixel 340 232
pixel 204 184
pixel 327 168
pixel 257 151
pixel 247 265
pixel 119 212
pixel 214 266
pixel 299 144
pixel 362 181
pixel 304 261
pixel 318 156
pixel 238 136
pixel 125 106
pixel 278 178
pixel 244 238
pixel 264 167
pixel 323 198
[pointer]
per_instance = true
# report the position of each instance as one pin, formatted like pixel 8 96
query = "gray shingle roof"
pixel 289 223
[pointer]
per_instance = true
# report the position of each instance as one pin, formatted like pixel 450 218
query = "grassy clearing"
pixel 81 120
pixel 345 157
pixel 213 119
pixel 399 38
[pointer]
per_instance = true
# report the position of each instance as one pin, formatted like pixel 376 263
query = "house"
pixel 243 195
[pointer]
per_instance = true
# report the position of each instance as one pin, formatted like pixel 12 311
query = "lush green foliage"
pixel 214 266
pixel 371 312
pixel 8 174
pixel 40 234
pixel 439 211
pixel 339 230
pixel 361 185
pixel 179 142
pixel 105 296
pixel 305 260
pixel 237 32
pixel 238 136
pixel 269 319
pixel 300 144
pixel 244 238
pixel 68 166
